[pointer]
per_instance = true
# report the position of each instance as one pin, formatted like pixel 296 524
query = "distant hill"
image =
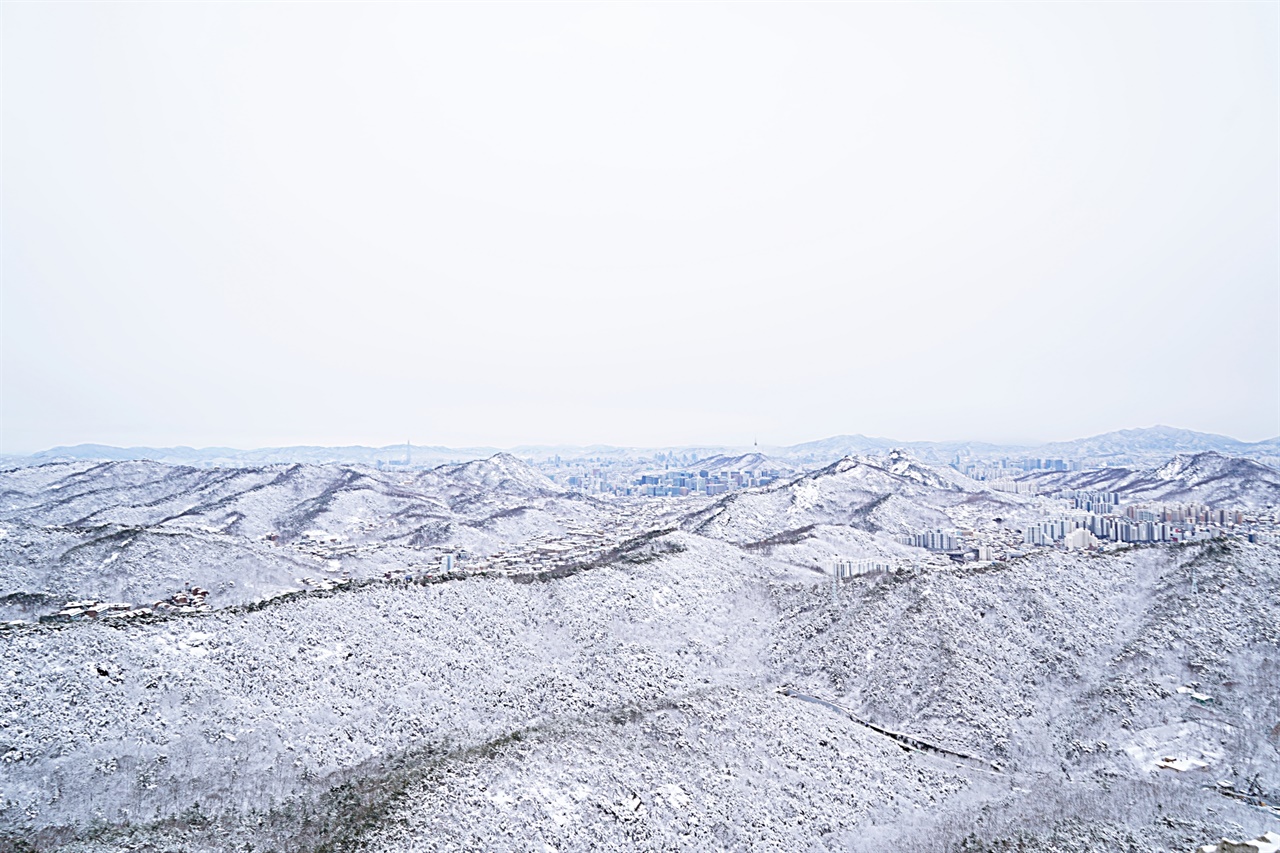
pixel 481 479
pixel 1133 448
pixel 1209 478
pixel 1157 441
pixel 134 529
pixel 229 457
pixel 745 462
pixel 837 447
pixel 891 494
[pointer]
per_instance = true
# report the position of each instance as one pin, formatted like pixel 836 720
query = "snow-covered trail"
pixel 906 741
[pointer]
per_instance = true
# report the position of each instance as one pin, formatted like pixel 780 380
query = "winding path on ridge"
pixel 906 741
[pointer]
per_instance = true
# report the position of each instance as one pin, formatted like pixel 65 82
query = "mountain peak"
pixel 1209 463
pixel 499 469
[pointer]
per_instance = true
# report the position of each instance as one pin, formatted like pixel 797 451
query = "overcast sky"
pixel 302 223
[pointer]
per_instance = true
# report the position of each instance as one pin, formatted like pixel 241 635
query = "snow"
pixel 1205 478
pixel 630 698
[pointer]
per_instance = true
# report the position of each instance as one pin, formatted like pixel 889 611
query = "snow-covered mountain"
pixel 934 452
pixel 487 479
pixel 139 530
pixel 683 679
pixel 685 696
pixel 891 494
pixel 1205 478
pixel 744 462
pixel 1121 447
pixel 1152 443
pixel 234 457
pixel 901 464
pixel 1132 447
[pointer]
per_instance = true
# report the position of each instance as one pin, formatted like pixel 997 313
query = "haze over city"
pixel 638 224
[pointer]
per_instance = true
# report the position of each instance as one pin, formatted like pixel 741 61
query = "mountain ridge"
pixel 1207 477
pixel 1117 446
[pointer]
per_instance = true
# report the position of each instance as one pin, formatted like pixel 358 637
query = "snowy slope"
pixel 305 688
pixel 1207 478
pixel 892 494
pixel 138 531
pixel 696 689
pixel 1040 667
pixel 639 705
pixel 487 480
pixel 744 462
pixel 1151 443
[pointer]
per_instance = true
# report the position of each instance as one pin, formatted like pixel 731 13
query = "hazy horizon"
pixel 762 447
pixel 266 225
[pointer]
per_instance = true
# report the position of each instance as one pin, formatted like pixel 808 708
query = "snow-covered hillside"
pixel 660 674
pixel 1151 443
pixel 140 531
pixel 1203 478
pixel 745 462
pixel 892 494
pixel 486 480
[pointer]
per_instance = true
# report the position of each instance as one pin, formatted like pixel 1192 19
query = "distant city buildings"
pixel 1013 486
pixel 1140 524
pixel 1074 519
pixel 704 482
pixel 665 483
pixel 842 568
pixel 1100 503
pixel 1003 469
pixel 1080 539
pixel 933 540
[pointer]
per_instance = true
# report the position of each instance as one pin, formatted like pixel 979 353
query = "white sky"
pixel 302 223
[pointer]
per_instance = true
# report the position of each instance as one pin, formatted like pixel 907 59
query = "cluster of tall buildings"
pixel 593 481
pixel 1013 486
pixel 1047 532
pixel 1111 528
pixel 1099 503
pixel 842 568
pixel 1103 521
pixel 681 483
pixel 1003 469
pixel 933 540
pixel 620 477
pixel 593 476
pixel 1080 540
pixel 1186 514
